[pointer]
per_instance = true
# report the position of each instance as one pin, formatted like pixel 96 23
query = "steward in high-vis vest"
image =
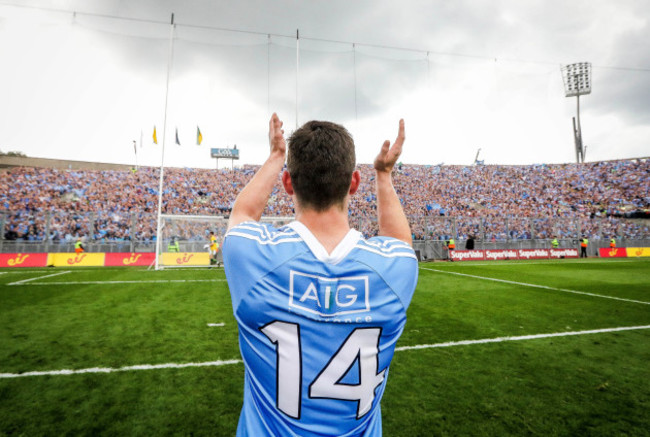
pixel 451 245
pixel 78 247
pixel 555 243
pixel 583 247
pixel 612 243
pixel 173 246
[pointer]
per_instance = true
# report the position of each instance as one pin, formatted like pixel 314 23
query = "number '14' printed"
pixel 362 346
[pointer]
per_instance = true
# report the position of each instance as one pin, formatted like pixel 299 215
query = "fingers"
pixel 399 141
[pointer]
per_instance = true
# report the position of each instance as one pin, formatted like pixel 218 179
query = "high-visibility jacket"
pixel 584 242
pixel 173 246
pixel 78 247
pixel 555 243
pixel 612 243
pixel 451 244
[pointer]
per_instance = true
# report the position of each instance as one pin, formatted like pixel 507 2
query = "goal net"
pixel 185 239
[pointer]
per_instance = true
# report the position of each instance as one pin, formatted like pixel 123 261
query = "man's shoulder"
pixel 386 248
pixel 260 234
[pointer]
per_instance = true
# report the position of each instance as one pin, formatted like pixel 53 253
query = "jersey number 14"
pixel 362 345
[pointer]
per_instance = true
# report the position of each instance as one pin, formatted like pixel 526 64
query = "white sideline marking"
pixel 538 286
pixel 216 325
pixel 120 369
pixel 164 281
pixel 38 277
pixel 519 338
pixel 227 362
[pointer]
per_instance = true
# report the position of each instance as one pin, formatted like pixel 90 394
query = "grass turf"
pixel 595 384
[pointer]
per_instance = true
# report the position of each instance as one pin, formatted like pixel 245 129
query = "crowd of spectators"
pixel 488 201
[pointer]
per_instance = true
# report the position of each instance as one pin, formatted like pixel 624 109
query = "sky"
pixel 85 79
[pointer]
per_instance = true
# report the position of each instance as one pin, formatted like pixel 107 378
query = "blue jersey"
pixel 317 331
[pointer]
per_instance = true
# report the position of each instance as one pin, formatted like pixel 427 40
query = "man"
pixel 319 307
pixel 173 246
pixel 78 246
pixel 583 247
pixel 214 249
pixel 555 243
pixel 612 243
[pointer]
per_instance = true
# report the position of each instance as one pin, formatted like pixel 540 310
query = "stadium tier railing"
pixel 135 232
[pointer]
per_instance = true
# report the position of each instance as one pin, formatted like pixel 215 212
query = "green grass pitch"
pixel 495 357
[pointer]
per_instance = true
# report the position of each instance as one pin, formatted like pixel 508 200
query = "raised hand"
pixel 388 155
pixel 276 136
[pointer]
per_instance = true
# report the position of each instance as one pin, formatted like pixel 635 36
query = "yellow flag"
pixel 199 137
pixel 155 138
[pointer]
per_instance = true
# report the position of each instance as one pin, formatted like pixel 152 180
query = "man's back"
pixel 317 330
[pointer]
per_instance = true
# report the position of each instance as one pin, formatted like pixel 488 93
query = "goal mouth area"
pixel 185 239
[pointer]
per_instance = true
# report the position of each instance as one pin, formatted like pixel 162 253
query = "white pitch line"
pixel 538 286
pixel 24 281
pixel 519 338
pixel 120 369
pixel 216 325
pixel 153 281
pixel 228 362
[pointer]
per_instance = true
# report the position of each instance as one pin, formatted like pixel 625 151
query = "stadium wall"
pixel 7 162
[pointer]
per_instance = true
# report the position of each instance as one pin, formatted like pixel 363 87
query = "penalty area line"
pixel 120 369
pixel 25 281
pixel 153 281
pixel 546 287
pixel 220 363
pixel 520 338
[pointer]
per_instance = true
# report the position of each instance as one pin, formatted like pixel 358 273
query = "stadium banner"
pixel 608 252
pixel 633 252
pixel 534 253
pixel 76 259
pixel 186 259
pixel 467 255
pixel 501 254
pixel 564 253
pixel 23 259
pixel 128 259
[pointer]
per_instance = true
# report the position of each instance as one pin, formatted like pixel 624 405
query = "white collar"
pixel 340 251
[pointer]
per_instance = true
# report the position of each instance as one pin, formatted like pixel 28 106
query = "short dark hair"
pixel 320 161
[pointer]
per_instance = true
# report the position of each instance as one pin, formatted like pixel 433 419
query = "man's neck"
pixel 329 226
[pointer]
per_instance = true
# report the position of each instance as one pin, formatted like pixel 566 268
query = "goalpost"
pixel 184 240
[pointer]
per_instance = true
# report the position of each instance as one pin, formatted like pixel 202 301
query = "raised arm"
pixel 252 200
pixel 390 215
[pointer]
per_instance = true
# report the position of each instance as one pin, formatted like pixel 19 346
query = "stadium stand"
pixel 491 202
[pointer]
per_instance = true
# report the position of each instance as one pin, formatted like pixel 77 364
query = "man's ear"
pixel 286 183
pixel 356 181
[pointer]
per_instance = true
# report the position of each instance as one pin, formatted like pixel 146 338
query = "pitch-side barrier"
pixel 89 259
pixel 528 254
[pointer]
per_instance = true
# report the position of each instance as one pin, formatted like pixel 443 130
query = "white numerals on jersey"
pixel 361 346
pixel 287 338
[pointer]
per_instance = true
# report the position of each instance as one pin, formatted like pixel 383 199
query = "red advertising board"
pixel 564 253
pixel 129 259
pixel 617 252
pixel 534 253
pixel 466 255
pixel 500 254
pixel 23 259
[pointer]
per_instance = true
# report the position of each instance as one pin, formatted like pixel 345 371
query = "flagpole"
pixel 162 154
pixel 135 150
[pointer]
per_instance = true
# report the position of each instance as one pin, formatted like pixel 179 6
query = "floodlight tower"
pixel 577 82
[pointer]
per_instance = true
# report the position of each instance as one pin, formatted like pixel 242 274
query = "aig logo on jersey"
pixel 329 297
